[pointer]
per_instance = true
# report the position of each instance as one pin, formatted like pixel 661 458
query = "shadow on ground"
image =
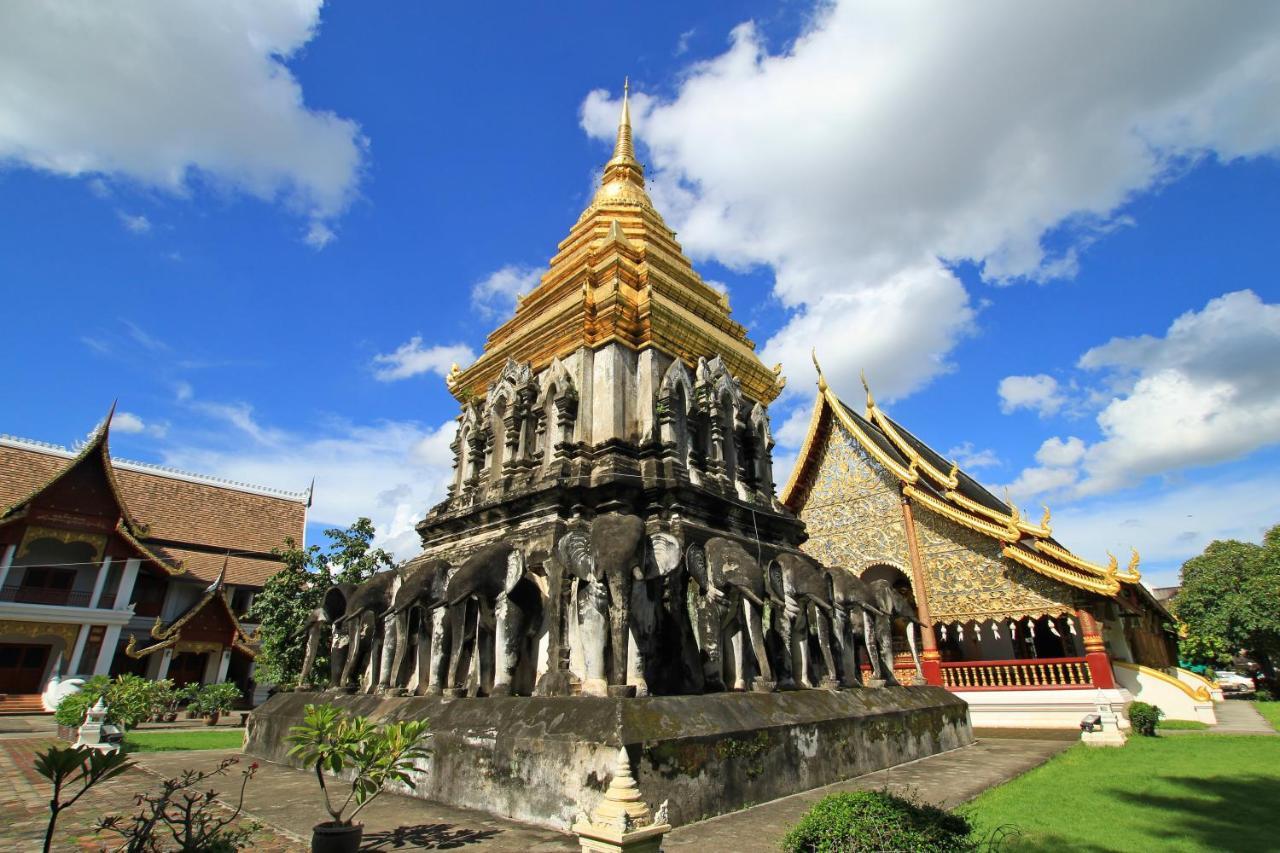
pixel 426 836
pixel 1236 813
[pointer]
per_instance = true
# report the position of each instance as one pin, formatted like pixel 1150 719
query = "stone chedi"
pixel 611 568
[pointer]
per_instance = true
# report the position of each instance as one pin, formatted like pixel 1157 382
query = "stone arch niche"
pixel 901 581
pixel 556 411
pixel 761 452
pixel 726 421
pixel 677 418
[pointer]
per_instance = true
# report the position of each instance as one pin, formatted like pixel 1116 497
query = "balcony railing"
pixel 1035 674
pixel 43 595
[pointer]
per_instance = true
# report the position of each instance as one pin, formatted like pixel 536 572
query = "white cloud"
pixel 390 471
pixel 127 422
pixel 894 134
pixel 240 416
pixel 496 295
pixel 319 235
pixel 412 358
pixel 136 224
pixel 1040 393
pixel 970 458
pixel 1204 393
pixel 163 93
pixel 1169 527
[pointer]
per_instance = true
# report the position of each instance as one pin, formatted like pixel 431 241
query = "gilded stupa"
pixel 620 385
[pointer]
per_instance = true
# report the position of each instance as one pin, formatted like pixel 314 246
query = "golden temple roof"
pixel 620 276
pixel 928 479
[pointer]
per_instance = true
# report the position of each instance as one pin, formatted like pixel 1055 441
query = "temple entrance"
pixel 22 667
pixel 187 668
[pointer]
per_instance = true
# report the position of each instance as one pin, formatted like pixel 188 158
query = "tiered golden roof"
pixel 621 276
pixel 924 482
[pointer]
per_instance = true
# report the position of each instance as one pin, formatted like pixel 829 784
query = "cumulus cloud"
pixel 319 235
pixel 1039 393
pixel 1204 393
pixel 412 358
pixel 134 223
pixel 127 422
pixel 970 458
pixel 496 294
pixel 164 93
pixel 892 138
pixel 390 471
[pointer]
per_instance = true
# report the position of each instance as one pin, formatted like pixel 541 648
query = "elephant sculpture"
pixel 894 605
pixel 488 585
pixel 806 597
pixel 733 600
pixel 418 610
pixel 319 620
pixel 368 642
pixel 615 564
pixel 855 612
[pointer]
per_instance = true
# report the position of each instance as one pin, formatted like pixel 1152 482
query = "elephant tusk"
pixel 751 596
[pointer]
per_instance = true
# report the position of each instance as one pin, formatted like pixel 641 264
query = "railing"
pixel 1033 674
pixel 43 595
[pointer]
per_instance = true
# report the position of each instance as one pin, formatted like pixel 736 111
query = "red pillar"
pixel 1095 651
pixel 930 659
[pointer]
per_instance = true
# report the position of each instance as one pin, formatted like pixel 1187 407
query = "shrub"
pixel 75 767
pixel 130 700
pixel 876 820
pixel 1144 718
pixel 215 698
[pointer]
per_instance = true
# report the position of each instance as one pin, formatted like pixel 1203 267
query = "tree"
pixel 351 559
pixel 1230 600
pixel 289 596
pixel 281 610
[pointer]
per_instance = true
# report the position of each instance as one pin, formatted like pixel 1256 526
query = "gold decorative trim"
pixel 1060 553
pixel 995 531
pixel 806 447
pixel 33 532
pixel 1200 694
pixel 1059 573
pixel 64 631
pixel 886 426
pixel 131 648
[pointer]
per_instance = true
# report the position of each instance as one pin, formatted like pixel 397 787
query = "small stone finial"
pixel 621 821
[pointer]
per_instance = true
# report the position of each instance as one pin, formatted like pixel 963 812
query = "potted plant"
pixel 187 693
pixel 214 700
pixel 163 700
pixel 373 756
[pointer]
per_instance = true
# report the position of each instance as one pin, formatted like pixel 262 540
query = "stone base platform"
pixel 545 760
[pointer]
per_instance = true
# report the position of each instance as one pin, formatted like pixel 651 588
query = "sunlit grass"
pixel 136 741
pixel 1270 710
pixel 1199 792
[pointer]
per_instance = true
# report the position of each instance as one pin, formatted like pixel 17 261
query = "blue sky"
pixel 1044 231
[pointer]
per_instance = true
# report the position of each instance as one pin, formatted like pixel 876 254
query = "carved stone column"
pixel 930 658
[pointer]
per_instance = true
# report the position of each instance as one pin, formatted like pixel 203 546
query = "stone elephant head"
pixel 613 559
pixel 735 592
pixel 417 607
pixel 489 579
pixel 362 621
pixel 855 619
pixel 805 591
pixel 894 605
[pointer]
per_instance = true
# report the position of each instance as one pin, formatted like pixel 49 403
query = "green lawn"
pixel 1270 710
pixel 136 741
pixel 1184 725
pixel 1199 792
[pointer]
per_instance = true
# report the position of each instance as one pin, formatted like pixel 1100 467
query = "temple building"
pixel 108 566
pixel 1024 629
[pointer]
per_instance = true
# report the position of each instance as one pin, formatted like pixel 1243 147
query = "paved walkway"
pixel 944 780
pixel 1237 717
pixel 287 803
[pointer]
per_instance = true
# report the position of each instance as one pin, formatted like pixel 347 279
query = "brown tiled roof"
pixel 176 510
pixel 204 566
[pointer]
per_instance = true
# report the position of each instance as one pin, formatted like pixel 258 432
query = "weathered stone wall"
pixel 545 760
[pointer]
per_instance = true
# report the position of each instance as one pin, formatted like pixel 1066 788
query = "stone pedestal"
pixel 1108 732
pixel 545 760
pixel 97 733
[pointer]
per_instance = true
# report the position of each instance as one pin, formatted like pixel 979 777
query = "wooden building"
pixel 1028 631
pixel 108 566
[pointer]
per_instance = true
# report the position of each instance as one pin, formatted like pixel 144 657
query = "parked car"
pixel 1233 682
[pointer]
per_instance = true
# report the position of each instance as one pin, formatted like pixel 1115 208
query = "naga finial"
pixel 955 470
pixel 871 401
pixel 822 380
pixel 1044 519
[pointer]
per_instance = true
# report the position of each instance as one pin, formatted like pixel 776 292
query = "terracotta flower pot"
pixel 171 716
pixel 212 719
pixel 328 838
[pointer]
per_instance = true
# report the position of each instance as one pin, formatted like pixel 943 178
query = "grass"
pixel 1182 725
pixel 1270 710
pixel 1209 792
pixel 136 741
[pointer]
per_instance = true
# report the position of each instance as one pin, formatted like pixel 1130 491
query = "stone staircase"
pixel 12 704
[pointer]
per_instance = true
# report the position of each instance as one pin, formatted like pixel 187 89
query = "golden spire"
pixel 624 166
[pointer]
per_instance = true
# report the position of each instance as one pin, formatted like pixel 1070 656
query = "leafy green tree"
pixel 351 557
pixel 1230 600
pixel 290 595
pixel 281 610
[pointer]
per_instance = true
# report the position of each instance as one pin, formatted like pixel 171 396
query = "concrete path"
pixel 1238 717
pixel 288 801
pixel 944 780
